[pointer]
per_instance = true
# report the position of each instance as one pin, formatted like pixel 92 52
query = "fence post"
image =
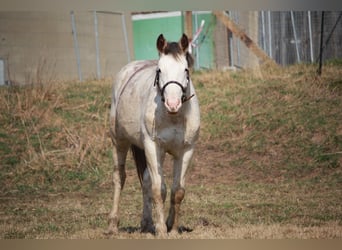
pixel 77 52
pixel 295 36
pixel 231 46
pixel 238 54
pixel 319 70
pixel 269 34
pixel 98 69
pixel 2 72
pixel 124 29
pixel 197 58
pixel 188 24
pixel 310 37
pixel 263 30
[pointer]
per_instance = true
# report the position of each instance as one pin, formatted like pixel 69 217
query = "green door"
pixel 146 29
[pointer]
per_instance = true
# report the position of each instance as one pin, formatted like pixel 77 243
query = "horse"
pixel 154 111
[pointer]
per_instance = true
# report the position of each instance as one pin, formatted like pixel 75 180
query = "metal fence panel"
pixel 294 36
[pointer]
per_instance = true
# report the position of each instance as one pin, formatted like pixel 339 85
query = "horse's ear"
pixel 161 43
pixel 184 43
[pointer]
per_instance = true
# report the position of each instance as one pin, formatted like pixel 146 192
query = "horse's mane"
pixel 175 50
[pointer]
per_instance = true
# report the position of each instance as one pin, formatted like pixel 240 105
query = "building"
pixel 38 47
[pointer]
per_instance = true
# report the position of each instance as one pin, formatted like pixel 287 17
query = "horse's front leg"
pixel 154 157
pixel 147 221
pixel 181 164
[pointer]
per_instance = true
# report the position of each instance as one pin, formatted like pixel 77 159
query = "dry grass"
pixel 268 163
pixel 52 130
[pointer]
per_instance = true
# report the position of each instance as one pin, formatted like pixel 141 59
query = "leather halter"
pixel 184 89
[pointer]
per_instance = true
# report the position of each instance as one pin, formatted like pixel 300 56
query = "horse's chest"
pixel 171 136
pixel 168 131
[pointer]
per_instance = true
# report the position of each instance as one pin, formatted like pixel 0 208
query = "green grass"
pixel 275 119
pixel 267 164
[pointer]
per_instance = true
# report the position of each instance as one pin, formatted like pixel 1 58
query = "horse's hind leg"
pixel 146 221
pixel 119 178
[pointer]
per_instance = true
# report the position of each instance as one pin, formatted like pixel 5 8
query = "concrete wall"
pixel 40 46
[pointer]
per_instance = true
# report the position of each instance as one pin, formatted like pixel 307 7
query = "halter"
pixel 184 89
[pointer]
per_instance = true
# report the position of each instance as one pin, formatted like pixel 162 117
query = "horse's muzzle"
pixel 173 105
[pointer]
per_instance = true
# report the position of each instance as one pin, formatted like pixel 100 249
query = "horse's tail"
pixel 140 161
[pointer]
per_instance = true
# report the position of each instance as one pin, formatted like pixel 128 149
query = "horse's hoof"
pixel 147 228
pixel 161 235
pixel 112 226
pixel 110 231
pixel 161 231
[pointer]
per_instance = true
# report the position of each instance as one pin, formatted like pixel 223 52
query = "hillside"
pixel 268 163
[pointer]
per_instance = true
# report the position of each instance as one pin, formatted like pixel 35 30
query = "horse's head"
pixel 173 72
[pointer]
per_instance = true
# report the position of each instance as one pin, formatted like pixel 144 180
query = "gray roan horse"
pixel 154 111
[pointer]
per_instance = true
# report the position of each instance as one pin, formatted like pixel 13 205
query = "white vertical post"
pixel 124 29
pixel 269 34
pixel 231 52
pixel 263 30
pixel 98 68
pixel 295 37
pixel 310 37
pixel 2 72
pixel 236 15
pixel 77 52
pixel 197 65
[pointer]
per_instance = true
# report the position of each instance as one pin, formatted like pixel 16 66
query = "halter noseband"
pixel 184 89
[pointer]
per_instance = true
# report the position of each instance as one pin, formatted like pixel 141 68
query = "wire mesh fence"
pixel 289 37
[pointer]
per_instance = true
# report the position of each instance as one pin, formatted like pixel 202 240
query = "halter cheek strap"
pixel 184 90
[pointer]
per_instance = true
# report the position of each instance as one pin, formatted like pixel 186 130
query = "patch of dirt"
pixel 210 165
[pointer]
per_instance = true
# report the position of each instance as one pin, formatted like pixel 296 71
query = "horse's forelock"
pixel 176 51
